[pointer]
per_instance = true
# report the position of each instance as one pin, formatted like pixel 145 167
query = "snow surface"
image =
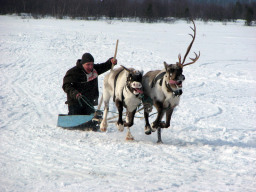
pixel 210 146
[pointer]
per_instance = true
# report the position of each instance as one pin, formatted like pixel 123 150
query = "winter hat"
pixel 87 57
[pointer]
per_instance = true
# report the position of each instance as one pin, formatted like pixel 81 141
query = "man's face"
pixel 88 67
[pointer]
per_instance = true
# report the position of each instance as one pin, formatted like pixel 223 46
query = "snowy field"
pixel 210 146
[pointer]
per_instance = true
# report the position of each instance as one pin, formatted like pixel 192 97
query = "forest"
pixel 142 10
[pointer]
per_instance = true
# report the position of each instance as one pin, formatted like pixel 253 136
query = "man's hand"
pixel 114 61
pixel 78 96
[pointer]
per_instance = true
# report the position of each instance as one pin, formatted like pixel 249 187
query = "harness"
pixel 140 96
pixel 159 76
pixel 175 93
pixel 114 97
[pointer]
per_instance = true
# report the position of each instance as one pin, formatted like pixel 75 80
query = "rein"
pixel 86 101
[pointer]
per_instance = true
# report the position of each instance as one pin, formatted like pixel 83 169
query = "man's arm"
pixel 68 86
pixel 103 67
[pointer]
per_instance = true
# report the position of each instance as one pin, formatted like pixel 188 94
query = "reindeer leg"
pixel 120 123
pixel 104 124
pixel 129 135
pixel 147 109
pixel 129 123
pixel 130 118
pixel 168 117
pixel 147 126
pixel 160 114
pixel 166 125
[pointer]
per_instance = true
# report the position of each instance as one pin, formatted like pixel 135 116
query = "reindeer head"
pixel 134 81
pixel 174 71
pixel 174 75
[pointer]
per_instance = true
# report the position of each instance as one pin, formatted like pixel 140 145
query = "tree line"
pixel 144 10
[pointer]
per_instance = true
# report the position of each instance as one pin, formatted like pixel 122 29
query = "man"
pixel 81 84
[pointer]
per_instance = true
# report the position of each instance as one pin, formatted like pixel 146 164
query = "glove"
pixel 113 61
pixel 78 96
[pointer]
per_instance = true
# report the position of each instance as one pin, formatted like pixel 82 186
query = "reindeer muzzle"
pixel 176 83
pixel 136 87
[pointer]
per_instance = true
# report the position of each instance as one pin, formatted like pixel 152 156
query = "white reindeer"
pixel 125 86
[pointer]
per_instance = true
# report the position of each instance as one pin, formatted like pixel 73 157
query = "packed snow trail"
pixel 210 146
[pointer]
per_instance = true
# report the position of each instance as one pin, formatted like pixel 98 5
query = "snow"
pixel 210 146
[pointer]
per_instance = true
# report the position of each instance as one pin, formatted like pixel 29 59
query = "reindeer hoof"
pixel 160 142
pixel 153 129
pixel 120 127
pixel 103 126
pixel 147 131
pixel 103 129
pixel 164 125
pixel 129 138
pixel 154 126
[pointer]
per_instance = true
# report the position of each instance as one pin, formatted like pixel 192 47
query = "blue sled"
pixel 81 122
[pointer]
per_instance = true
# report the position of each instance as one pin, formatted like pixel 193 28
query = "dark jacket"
pixel 77 81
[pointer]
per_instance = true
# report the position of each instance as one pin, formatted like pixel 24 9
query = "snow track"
pixel 210 146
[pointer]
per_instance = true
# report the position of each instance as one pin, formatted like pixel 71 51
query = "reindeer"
pixel 125 86
pixel 164 88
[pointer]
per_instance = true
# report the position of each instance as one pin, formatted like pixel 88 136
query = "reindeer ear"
pixel 165 66
pixel 126 69
pixel 142 72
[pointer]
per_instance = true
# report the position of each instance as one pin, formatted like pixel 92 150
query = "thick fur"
pixel 163 98
pixel 123 96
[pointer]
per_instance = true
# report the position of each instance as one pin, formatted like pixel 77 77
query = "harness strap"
pixel 114 97
pixel 175 93
pixel 159 76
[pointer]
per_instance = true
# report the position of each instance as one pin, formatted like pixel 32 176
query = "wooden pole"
pixel 101 99
pixel 115 53
pixel 116 48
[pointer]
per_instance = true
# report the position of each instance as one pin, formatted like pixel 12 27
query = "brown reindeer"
pixel 164 88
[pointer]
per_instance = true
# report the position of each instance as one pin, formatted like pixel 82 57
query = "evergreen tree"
pixel 149 13
pixel 249 16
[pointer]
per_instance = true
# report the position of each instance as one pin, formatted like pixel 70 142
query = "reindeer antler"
pixel 193 59
pixel 188 49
